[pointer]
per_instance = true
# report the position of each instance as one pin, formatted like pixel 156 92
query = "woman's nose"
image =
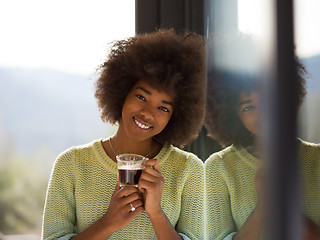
pixel 147 111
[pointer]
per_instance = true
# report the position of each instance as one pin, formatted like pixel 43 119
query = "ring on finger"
pixel 132 208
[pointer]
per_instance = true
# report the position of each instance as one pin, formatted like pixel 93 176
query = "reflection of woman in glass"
pixel 234 202
pixel 152 85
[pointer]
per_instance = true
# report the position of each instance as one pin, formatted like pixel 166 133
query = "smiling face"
pixel 249 111
pixel 146 112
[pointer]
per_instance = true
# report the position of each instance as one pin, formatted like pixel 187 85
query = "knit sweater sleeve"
pixel 220 224
pixel 59 213
pixel 191 219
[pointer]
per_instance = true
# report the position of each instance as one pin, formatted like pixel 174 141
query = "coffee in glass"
pixel 130 168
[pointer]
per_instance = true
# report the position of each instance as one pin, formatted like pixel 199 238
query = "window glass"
pixel 262 159
pixel 307 37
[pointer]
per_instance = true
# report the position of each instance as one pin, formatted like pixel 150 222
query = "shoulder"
pixel 82 148
pixel 225 156
pixel 183 167
pixel 70 155
pixel 306 144
pixel 174 156
pixel 187 157
pixel 309 150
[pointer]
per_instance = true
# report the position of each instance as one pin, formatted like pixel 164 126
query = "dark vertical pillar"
pixel 147 15
pixel 283 215
pixel 178 14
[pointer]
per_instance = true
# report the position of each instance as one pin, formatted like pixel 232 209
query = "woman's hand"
pixel 311 231
pixel 151 185
pixel 119 213
pixel 118 216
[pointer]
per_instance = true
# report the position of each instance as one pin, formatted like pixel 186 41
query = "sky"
pixel 66 35
pixel 72 36
pixel 306 18
pixel 307 31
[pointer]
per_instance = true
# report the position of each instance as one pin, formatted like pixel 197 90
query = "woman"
pixel 233 175
pixel 152 86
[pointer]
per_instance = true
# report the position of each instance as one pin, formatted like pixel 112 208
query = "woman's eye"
pixel 164 109
pixel 247 108
pixel 141 97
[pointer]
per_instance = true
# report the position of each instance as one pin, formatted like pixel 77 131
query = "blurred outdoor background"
pixel 49 52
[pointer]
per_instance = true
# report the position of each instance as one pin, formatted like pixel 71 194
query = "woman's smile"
pixel 141 124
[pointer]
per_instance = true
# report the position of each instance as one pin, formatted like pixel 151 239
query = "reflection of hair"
pixel 167 61
pixel 223 90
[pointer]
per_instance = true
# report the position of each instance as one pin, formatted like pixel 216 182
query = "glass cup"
pixel 130 167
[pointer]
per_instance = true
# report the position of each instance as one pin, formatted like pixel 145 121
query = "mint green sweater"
pixel 83 180
pixel 230 188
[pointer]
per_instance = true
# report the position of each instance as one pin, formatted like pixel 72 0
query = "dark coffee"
pixel 129 177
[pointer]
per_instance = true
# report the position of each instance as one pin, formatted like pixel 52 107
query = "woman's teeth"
pixel 141 125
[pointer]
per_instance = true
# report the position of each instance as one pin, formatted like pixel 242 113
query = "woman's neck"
pixel 125 145
pixel 118 144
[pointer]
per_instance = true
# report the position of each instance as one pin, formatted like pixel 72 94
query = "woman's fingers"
pixel 124 191
pixel 153 164
pixel 152 171
pixel 126 203
pixel 150 176
pixel 130 198
pixel 134 205
pixel 148 181
pixel 128 195
pixel 151 183
pixel 137 210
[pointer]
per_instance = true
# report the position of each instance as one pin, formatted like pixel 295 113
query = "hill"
pixel 48 108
